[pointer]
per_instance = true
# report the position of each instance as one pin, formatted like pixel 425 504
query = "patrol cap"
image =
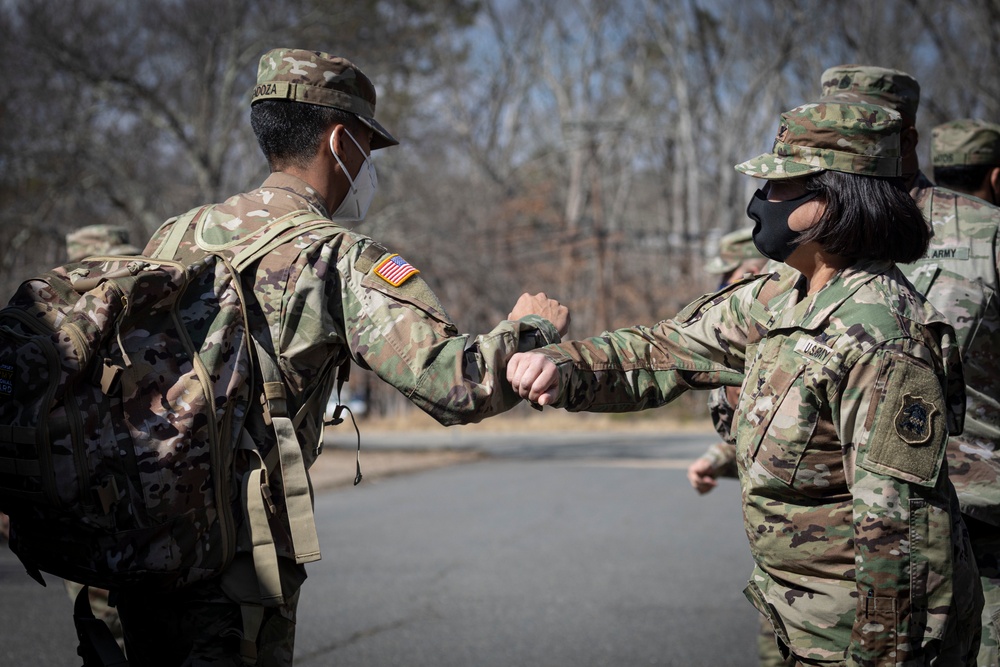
pixel 99 240
pixel 314 77
pixel 873 85
pixel 734 249
pixel 965 142
pixel 853 138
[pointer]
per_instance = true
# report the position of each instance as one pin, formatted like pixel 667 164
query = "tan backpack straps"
pixel 294 479
pixel 265 556
pixel 286 455
pixel 279 232
pixel 168 249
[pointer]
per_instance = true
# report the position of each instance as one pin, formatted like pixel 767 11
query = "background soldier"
pixel 88 241
pixel 738 258
pixel 966 158
pixel 99 240
pixel 80 243
pixel 959 277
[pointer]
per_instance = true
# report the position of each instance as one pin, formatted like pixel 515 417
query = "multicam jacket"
pixel 959 276
pixel 846 403
pixel 325 300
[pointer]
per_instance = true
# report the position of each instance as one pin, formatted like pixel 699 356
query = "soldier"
pixel 738 258
pixel 966 158
pixel 850 385
pixel 314 118
pixel 89 241
pixel 99 240
pixel 958 275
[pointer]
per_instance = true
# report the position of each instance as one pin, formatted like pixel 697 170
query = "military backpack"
pixel 125 384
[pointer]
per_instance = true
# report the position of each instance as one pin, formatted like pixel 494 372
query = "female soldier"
pixel 850 383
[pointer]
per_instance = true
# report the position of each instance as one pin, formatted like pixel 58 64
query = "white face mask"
pixel 359 197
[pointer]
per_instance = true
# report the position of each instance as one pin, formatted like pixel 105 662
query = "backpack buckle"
pixel 273 401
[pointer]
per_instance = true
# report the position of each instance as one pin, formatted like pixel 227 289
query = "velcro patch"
pixel 395 270
pixel 909 434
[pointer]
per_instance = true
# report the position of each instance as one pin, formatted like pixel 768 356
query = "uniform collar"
pixel 792 310
pixel 279 180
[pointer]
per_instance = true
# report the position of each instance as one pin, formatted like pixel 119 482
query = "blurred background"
pixel 580 147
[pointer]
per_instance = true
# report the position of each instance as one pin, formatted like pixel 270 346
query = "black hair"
pixel 867 217
pixel 289 132
pixel 963 177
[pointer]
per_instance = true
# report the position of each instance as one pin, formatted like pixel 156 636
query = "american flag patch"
pixel 395 270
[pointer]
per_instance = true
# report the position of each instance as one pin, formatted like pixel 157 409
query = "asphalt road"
pixel 559 550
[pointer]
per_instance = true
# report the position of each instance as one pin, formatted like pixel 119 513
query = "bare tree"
pixel 581 147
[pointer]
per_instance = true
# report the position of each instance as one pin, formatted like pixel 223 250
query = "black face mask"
pixel 771 233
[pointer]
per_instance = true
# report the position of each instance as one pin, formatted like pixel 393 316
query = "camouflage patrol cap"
pixel 314 77
pixel 852 138
pixel 965 142
pixel 890 88
pixel 99 240
pixel 734 249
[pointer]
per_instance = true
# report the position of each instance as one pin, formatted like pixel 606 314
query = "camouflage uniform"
pixel 847 397
pixel 352 299
pixel 959 276
pixel 735 248
pixel 98 240
pixel 965 142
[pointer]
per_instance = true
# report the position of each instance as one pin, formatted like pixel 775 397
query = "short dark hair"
pixel 289 132
pixel 867 217
pixel 962 177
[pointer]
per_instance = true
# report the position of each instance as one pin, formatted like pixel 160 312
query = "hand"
pixel 701 476
pixel 541 305
pixel 534 377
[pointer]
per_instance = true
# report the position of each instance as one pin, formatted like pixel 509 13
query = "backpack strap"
pixel 265 557
pixel 286 456
pixel 294 479
pixel 280 232
pixel 253 619
pixel 168 249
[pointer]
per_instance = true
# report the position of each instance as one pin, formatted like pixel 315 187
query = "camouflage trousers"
pixel 200 626
pixel 986 547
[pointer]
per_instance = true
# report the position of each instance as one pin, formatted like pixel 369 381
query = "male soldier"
pixel 314 118
pixel 958 275
pixel 966 158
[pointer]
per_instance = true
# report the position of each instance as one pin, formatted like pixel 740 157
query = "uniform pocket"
pixel 875 637
pixel 756 597
pixel 778 422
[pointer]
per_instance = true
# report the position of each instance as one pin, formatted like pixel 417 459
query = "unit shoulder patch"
pixel 913 420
